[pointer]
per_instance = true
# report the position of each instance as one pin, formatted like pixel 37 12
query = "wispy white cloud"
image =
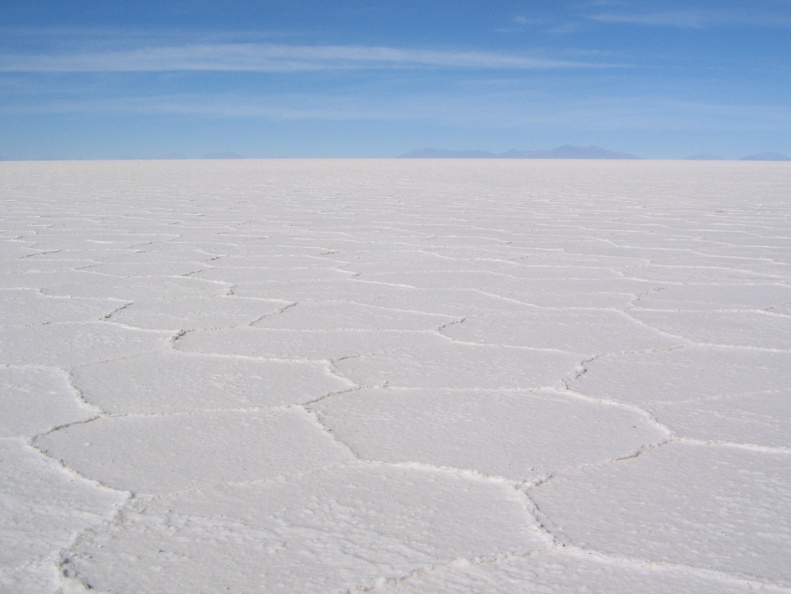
pixel 496 106
pixel 520 24
pixel 696 18
pixel 267 57
pixel 688 19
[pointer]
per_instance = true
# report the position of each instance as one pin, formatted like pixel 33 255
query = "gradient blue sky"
pixel 376 78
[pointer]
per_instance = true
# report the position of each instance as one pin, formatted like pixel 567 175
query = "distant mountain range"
pixel 755 157
pixel 767 157
pixel 568 152
pixel 561 152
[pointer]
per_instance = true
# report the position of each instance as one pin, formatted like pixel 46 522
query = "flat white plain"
pixel 395 376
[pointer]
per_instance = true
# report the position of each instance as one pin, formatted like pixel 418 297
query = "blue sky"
pixel 376 78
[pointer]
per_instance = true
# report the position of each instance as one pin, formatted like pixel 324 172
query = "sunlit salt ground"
pixel 395 376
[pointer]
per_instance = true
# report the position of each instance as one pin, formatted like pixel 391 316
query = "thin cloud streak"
pixel 501 109
pixel 694 19
pixel 257 57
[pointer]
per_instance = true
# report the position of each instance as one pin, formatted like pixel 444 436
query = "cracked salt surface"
pixel 352 376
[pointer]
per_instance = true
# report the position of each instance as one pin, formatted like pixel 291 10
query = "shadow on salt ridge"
pixel 521 436
pixel 332 531
pixel 162 454
pixel 173 381
pixel 715 507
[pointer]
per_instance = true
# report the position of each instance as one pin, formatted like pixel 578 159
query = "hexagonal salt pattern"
pixel 681 503
pixel 395 376
pixel 160 454
pixel 172 381
pixel 328 532
pixel 509 434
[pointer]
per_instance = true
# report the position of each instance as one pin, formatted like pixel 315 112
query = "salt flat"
pixel 395 376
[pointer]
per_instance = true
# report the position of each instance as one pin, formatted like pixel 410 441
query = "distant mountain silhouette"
pixel 766 157
pixel 561 152
pixel 705 157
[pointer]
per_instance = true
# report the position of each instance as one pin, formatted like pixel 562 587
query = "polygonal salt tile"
pixel 516 435
pixel 47 280
pixel 159 454
pixel 282 261
pixel 401 261
pixel 353 290
pixel 37 265
pixel 148 287
pixel 697 274
pixel 243 276
pixel 75 344
pixel 433 364
pixel 577 331
pixel 587 290
pixel 179 382
pixel 164 252
pixel 74 238
pixel 296 344
pixel 192 313
pixel 737 328
pixel 712 507
pixel 342 315
pixel 759 419
pixel 35 400
pixel 689 373
pixel 451 302
pixel 528 271
pixel 18 249
pixel 573 299
pixel 485 281
pixel 551 572
pixel 155 268
pixel 44 506
pixel 330 531
pixel 707 297
pixel 29 307
pixel 41 575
